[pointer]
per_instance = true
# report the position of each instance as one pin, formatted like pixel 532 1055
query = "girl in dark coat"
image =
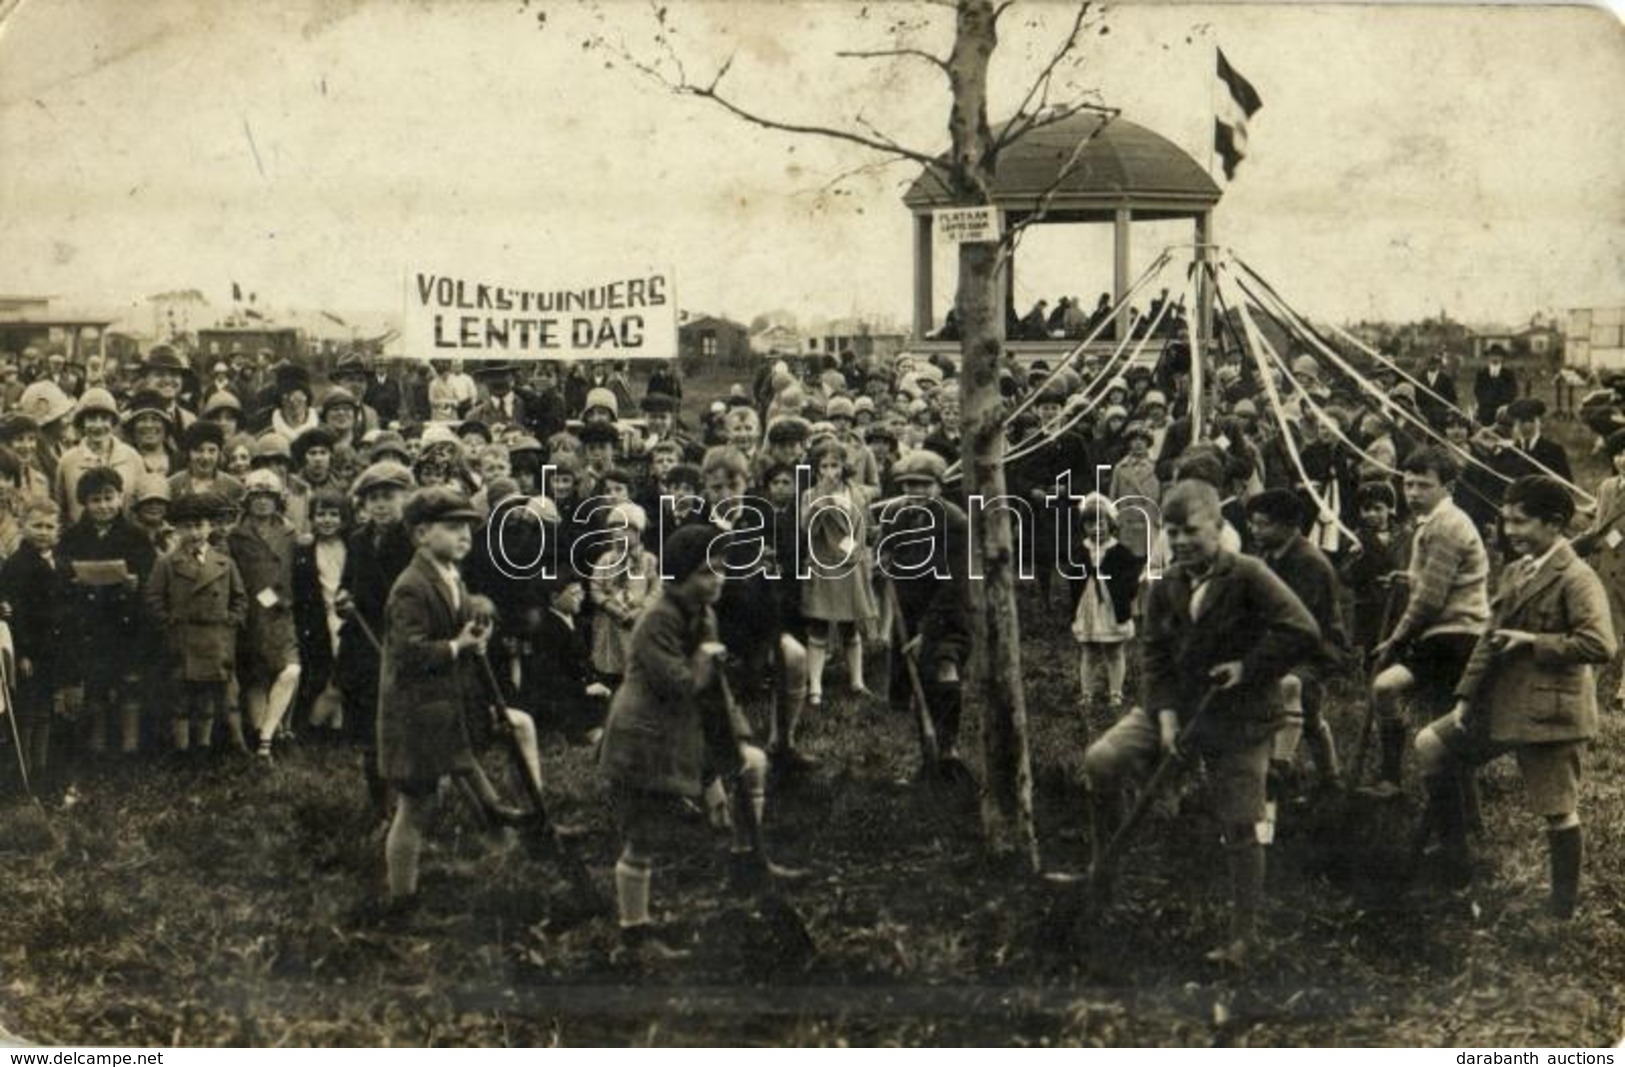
pixel 262 547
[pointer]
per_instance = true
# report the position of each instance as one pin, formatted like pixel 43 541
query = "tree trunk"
pixel 995 668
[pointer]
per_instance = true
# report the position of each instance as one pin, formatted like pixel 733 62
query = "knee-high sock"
pixel 632 879
pixel 854 662
pixel 1565 846
pixel 1391 738
pixel 254 702
pixel 404 845
pixel 129 724
pixel 817 655
pixel 1086 672
pixel 1116 672
pixel 1246 862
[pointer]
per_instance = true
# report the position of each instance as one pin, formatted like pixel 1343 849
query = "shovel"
pixel 541 832
pixel 952 771
pixel 1168 767
pixel 785 932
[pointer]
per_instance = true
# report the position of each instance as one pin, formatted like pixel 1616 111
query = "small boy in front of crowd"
pixel 30 587
pixel 197 597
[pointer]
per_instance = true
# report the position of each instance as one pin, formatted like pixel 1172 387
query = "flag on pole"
pixel 236 293
pixel 1237 103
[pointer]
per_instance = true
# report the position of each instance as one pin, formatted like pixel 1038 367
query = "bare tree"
pixel 966 171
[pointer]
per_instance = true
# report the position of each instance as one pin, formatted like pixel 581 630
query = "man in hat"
pixel 1439 391
pixel 546 407
pixel 1221 630
pixel 660 424
pixel 1050 478
pixel 663 380
pixel 382 396
pixel 95 417
pixel 167 374
pixel 1495 385
pixel 923 553
pixel 503 405
pixel 1532 453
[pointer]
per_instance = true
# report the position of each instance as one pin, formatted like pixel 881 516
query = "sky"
pixel 1406 159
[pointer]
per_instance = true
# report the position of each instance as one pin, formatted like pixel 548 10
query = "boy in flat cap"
pixel 432 641
pixel 196 595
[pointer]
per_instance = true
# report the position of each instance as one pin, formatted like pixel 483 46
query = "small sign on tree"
pixel 963 225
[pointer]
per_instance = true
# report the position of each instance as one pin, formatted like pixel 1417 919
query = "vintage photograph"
pixel 945 523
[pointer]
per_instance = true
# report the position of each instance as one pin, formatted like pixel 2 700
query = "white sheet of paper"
pixel 847 545
pixel 267 597
pixel 1613 539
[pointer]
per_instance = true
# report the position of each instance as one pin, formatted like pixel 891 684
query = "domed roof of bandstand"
pixel 1123 165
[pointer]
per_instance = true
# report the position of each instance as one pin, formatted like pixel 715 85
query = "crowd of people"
pixel 195 566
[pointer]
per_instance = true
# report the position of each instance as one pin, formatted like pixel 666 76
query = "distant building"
pixel 863 338
pixel 33 320
pixel 776 341
pixel 1594 339
pixel 712 339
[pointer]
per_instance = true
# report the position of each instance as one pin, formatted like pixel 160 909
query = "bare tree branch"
pixel 1037 97
pixel 681 85
pixel 898 53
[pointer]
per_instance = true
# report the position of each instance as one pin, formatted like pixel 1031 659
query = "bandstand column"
pixel 1202 324
pixel 1120 278
pixel 923 311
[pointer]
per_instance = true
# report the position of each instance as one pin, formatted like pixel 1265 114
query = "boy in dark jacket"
pixel 671 725
pixel 1273 520
pixel 31 587
pixel 197 597
pixel 105 558
pixel 1220 632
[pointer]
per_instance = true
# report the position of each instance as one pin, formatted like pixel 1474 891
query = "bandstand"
pixel 1124 174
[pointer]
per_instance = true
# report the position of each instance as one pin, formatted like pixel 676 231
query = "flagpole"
pixel 1212 109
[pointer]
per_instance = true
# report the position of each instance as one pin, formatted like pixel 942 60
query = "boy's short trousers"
pixel 1550 771
pixel 1236 776
pixel 652 822
pixel 1437 663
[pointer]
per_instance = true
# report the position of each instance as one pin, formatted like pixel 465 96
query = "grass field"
pixel 219 906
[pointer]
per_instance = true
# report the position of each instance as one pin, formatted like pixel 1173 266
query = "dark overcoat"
pixel 424 694
pixel 199 604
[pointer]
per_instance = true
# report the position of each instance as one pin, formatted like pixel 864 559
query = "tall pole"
pixel 1203 320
